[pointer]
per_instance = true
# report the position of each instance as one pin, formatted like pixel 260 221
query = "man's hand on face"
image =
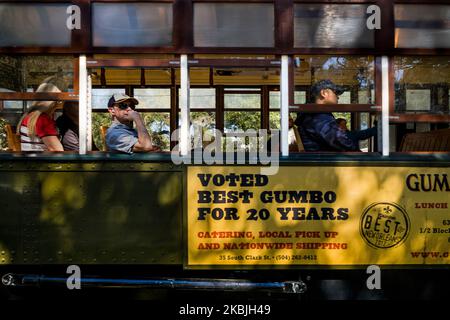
pixel 134 115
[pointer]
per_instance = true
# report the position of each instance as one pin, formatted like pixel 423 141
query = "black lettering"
pixel 315 197
pixel 266 197
pixel 416 183
pixel 233 196
pixel 296 197
pixel 342 213
pixel 299 214
pixel 202 212
pixel 368 222
pixel 441 184
pixel 312 214
pixel 284 213
pixel 330 196
pixel 218 180
pixel 327 214
pixel 377 224
pixel 422 180
pixel 261 180
pixel 387 226
pixel 246 180
pixel 232 178
pixel 204 196
pixel 204 178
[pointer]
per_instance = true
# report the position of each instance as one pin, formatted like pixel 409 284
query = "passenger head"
pixel 325 92
pixel 291 122
pixel 342 123
pixel 70 110
pixel 39 107
pixel 120 105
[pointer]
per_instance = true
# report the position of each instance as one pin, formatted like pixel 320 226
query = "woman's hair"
pixel 40 107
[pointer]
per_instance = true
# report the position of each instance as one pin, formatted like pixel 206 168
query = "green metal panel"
pixel 106 213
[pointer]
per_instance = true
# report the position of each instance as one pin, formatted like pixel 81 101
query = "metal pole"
pixel 284 101
pixel 241 285
pixel 83 105
pixel 184 105
pixel 385 105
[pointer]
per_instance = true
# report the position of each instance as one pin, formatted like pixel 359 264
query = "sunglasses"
pixel 125 106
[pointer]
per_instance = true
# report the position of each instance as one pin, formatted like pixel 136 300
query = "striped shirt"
pixel 45 126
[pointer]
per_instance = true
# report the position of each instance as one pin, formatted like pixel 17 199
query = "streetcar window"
pixel 355 73
pixel 132 24
pixel 26 73
pixel 332 26
pixel 234 25
pixel 422 26
pixel 421 84
pixel 27 25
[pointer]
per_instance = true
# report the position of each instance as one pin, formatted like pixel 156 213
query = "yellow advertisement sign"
pixel 340 216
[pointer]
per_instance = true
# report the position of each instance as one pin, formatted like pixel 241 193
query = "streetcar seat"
pixel 298 146
pixel 103 130
pixel 12 138
pixel 432 141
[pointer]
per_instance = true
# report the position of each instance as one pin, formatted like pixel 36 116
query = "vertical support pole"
pixel 89 114
pixel 385 105
pixel 284 100
pixel 83 105
pixel 184 105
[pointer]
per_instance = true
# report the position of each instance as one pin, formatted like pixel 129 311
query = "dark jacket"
pixel 320 132
pixel 365 134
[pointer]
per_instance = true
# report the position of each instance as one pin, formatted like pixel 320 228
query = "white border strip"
pixel 385 105
pixel 284 101
pixel 83 105
pixel 184 105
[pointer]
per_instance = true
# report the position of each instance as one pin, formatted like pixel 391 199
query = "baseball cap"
pixel 120 97
pixel 325 84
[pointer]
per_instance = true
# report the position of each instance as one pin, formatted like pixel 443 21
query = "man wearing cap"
pixel 121 136
pixel 319 131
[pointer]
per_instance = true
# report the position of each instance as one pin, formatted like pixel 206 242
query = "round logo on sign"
pixel 384 225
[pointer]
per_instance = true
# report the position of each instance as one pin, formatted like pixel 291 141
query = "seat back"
pixel 436 140
pixel 103 130
pixel 298 145
pixel 12 138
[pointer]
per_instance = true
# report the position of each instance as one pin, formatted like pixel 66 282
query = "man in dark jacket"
pixel 319 131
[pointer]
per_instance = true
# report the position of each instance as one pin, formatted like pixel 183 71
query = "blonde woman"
pixel 37 128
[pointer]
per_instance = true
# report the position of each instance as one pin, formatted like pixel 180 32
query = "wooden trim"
pixel 103 77
pixel 243 63
pixel 421 2
pixel 220 113
pixel 183 26
pixel 81 39
pixel 265 104
pixel 76 74
pixel 318 108
pixel 284 24
pixel 336 1
pixel 173 106
pixel 201 110
pixel 241 92
pixel 39 96
pixel 377 82
pixel 143 77
pixel 391 86
pixel 132 63
pixel 432 118
pixel 100 110
pixel 384 37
